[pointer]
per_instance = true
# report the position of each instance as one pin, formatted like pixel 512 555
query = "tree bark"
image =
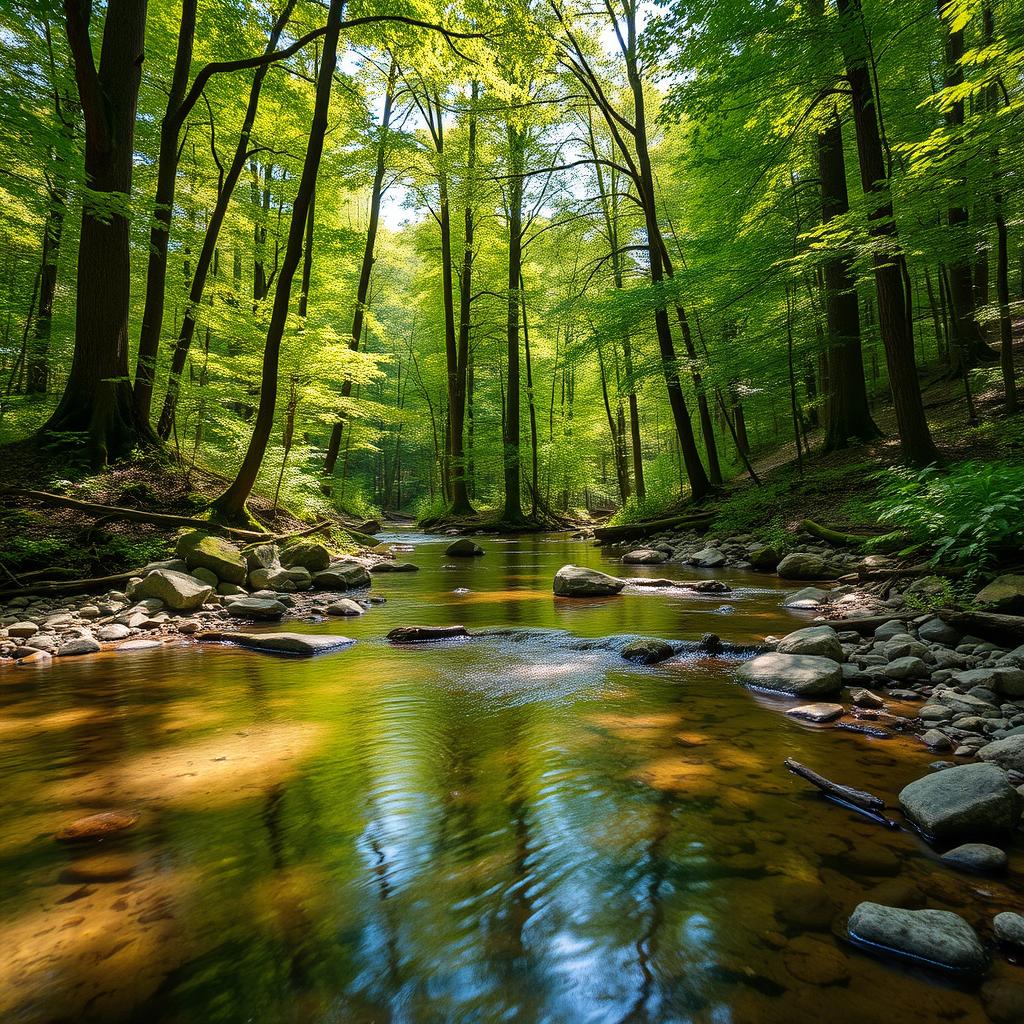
pixel 916 442
pixel 231 504
pixel 97 397
pixel 163 209
pixel 513 510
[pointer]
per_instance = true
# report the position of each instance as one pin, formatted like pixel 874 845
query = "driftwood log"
pixel 858 799
pixel 987 625
pixel 633 531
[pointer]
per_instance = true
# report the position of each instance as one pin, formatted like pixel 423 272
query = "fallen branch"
pixel 988 625
pixel 855 540
pixel 869 623
pixel 72 586
pixel 857 799
pixel 630 531
pixel 135 514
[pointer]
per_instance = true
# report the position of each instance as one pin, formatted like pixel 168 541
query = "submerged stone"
pixel 817 712
pixel 97 826
pixel 647 651
pixel 464 548
pixel 306 644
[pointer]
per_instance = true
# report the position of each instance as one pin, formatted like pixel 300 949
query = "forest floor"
pixel 37 536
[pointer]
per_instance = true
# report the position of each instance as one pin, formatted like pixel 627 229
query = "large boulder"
pixel 277 577
pixel 463 548
pixel 345 574
pixel 205 551
pixel 1004 594
pixel 307 554
pixel 806 597
pixel 965 801
pixel 178 591
pixel 820 640
pixel 261 556
pixel 933 938
pixel 763 558
pixel 578 581
pixel 803 565
pixel 644 556
pixel 257 608
pixel 1008 753
pixel 802 675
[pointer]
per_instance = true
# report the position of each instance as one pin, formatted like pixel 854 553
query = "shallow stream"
pixel 509 828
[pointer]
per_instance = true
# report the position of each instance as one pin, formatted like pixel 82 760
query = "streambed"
pixel 506 828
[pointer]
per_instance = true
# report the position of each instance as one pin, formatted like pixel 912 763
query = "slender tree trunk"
pixel 97 396
pixel 163 209
pixel 220 208
pixel 915 437
pixel 38 356
pixel 513 511
pixel 534 478
pixel 369 257
pixel 231 504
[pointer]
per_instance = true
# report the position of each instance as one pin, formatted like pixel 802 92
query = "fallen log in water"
pixel 857 799
pixel 987 625
pixel 632 531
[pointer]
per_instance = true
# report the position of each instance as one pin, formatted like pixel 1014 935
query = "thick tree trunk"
pixel 97 397
pixel 848 415
pixel 915 438
pixel 217 215
pixel 366 267
pixel 163 209
pixel 231 504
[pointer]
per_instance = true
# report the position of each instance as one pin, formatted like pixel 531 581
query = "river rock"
pixel 80 645
pixel 207 551
pixel 707 558
pixel 1004 594
pixel 97 826
pixel 285 643
pixel 822 641
pixel 966 801
pixel 345 606
pixel 138 645
pixel 817 712
pixel 935 631
pixel 1007 753
pixel 463 548
pixel 932 938
pixel 174 564
pixel 807 597
pixel 935 739
pixel 277 577
pixel 344 574
pixel 802 565
pixel 37 659
pixel 909 667
pixel 22 630
pixel 306 554
pixel 647 651
pixel 802 675
pixel 644 556
pixel 763 558
pixel 256 608
pixel 207 577
pixel 113 631
pixel 1009 927
pixel 261 556
pixel 866 699
pixel 577 581
pixel 394 567
pixel 421 634
pixel 979 857
pixel 179 591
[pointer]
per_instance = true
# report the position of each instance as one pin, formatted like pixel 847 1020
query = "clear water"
pixel 510 828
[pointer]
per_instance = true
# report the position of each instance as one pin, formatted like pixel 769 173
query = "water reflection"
pixel 520 827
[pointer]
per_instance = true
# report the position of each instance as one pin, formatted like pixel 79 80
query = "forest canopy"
pixel 521 257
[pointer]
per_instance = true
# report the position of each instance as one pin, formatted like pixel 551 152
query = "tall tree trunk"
pixel 209 247
pixel 534 476
pixel 231 504
pixel 97 397
pixel 513 511
pixel 848 414
pixel 366 267
pixel 163 209
pixel 38 355
pixel 915 438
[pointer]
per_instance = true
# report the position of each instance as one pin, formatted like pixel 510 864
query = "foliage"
pixel 970 514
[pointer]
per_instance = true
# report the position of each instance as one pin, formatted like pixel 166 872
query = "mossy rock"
pixel 206 551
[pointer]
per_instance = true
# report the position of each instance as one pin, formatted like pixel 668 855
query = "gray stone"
pixel 113 631
pixel 277 577
pixel 933 739
pixel 22 630
pixel 708 558
pixel 817 712
pixel 578 581
pixel 907 668
pixel 81 645
pixel 978 857
pixel 969 800
pixel 285 643
pixel 866 699
pixel 887 630
pixel 306 554
pixel 1007 753
pixel 256 608
pixel 644 556
pixel 463 548
pixel 935 631
pixel 178 591
pixel 344 574
pixel 205 576
pixel 174 564
pixel 137 645
pixel 806 566
pixel 806 597
pixel 933 938
pixel 647 651
pixel 822 641
pixel 1004 594
pixel 345 606
pixel 1009 927
pixel 394 567
pixel 803 675
pixel 763 558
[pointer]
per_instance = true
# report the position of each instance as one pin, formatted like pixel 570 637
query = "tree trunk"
pixel 97 397
pixel 231 504
pixel 220 208
pixel 163 209
pixel 38 355
pixel 534 477
pixel 915 438
pixel 848 415
pixel 513 511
